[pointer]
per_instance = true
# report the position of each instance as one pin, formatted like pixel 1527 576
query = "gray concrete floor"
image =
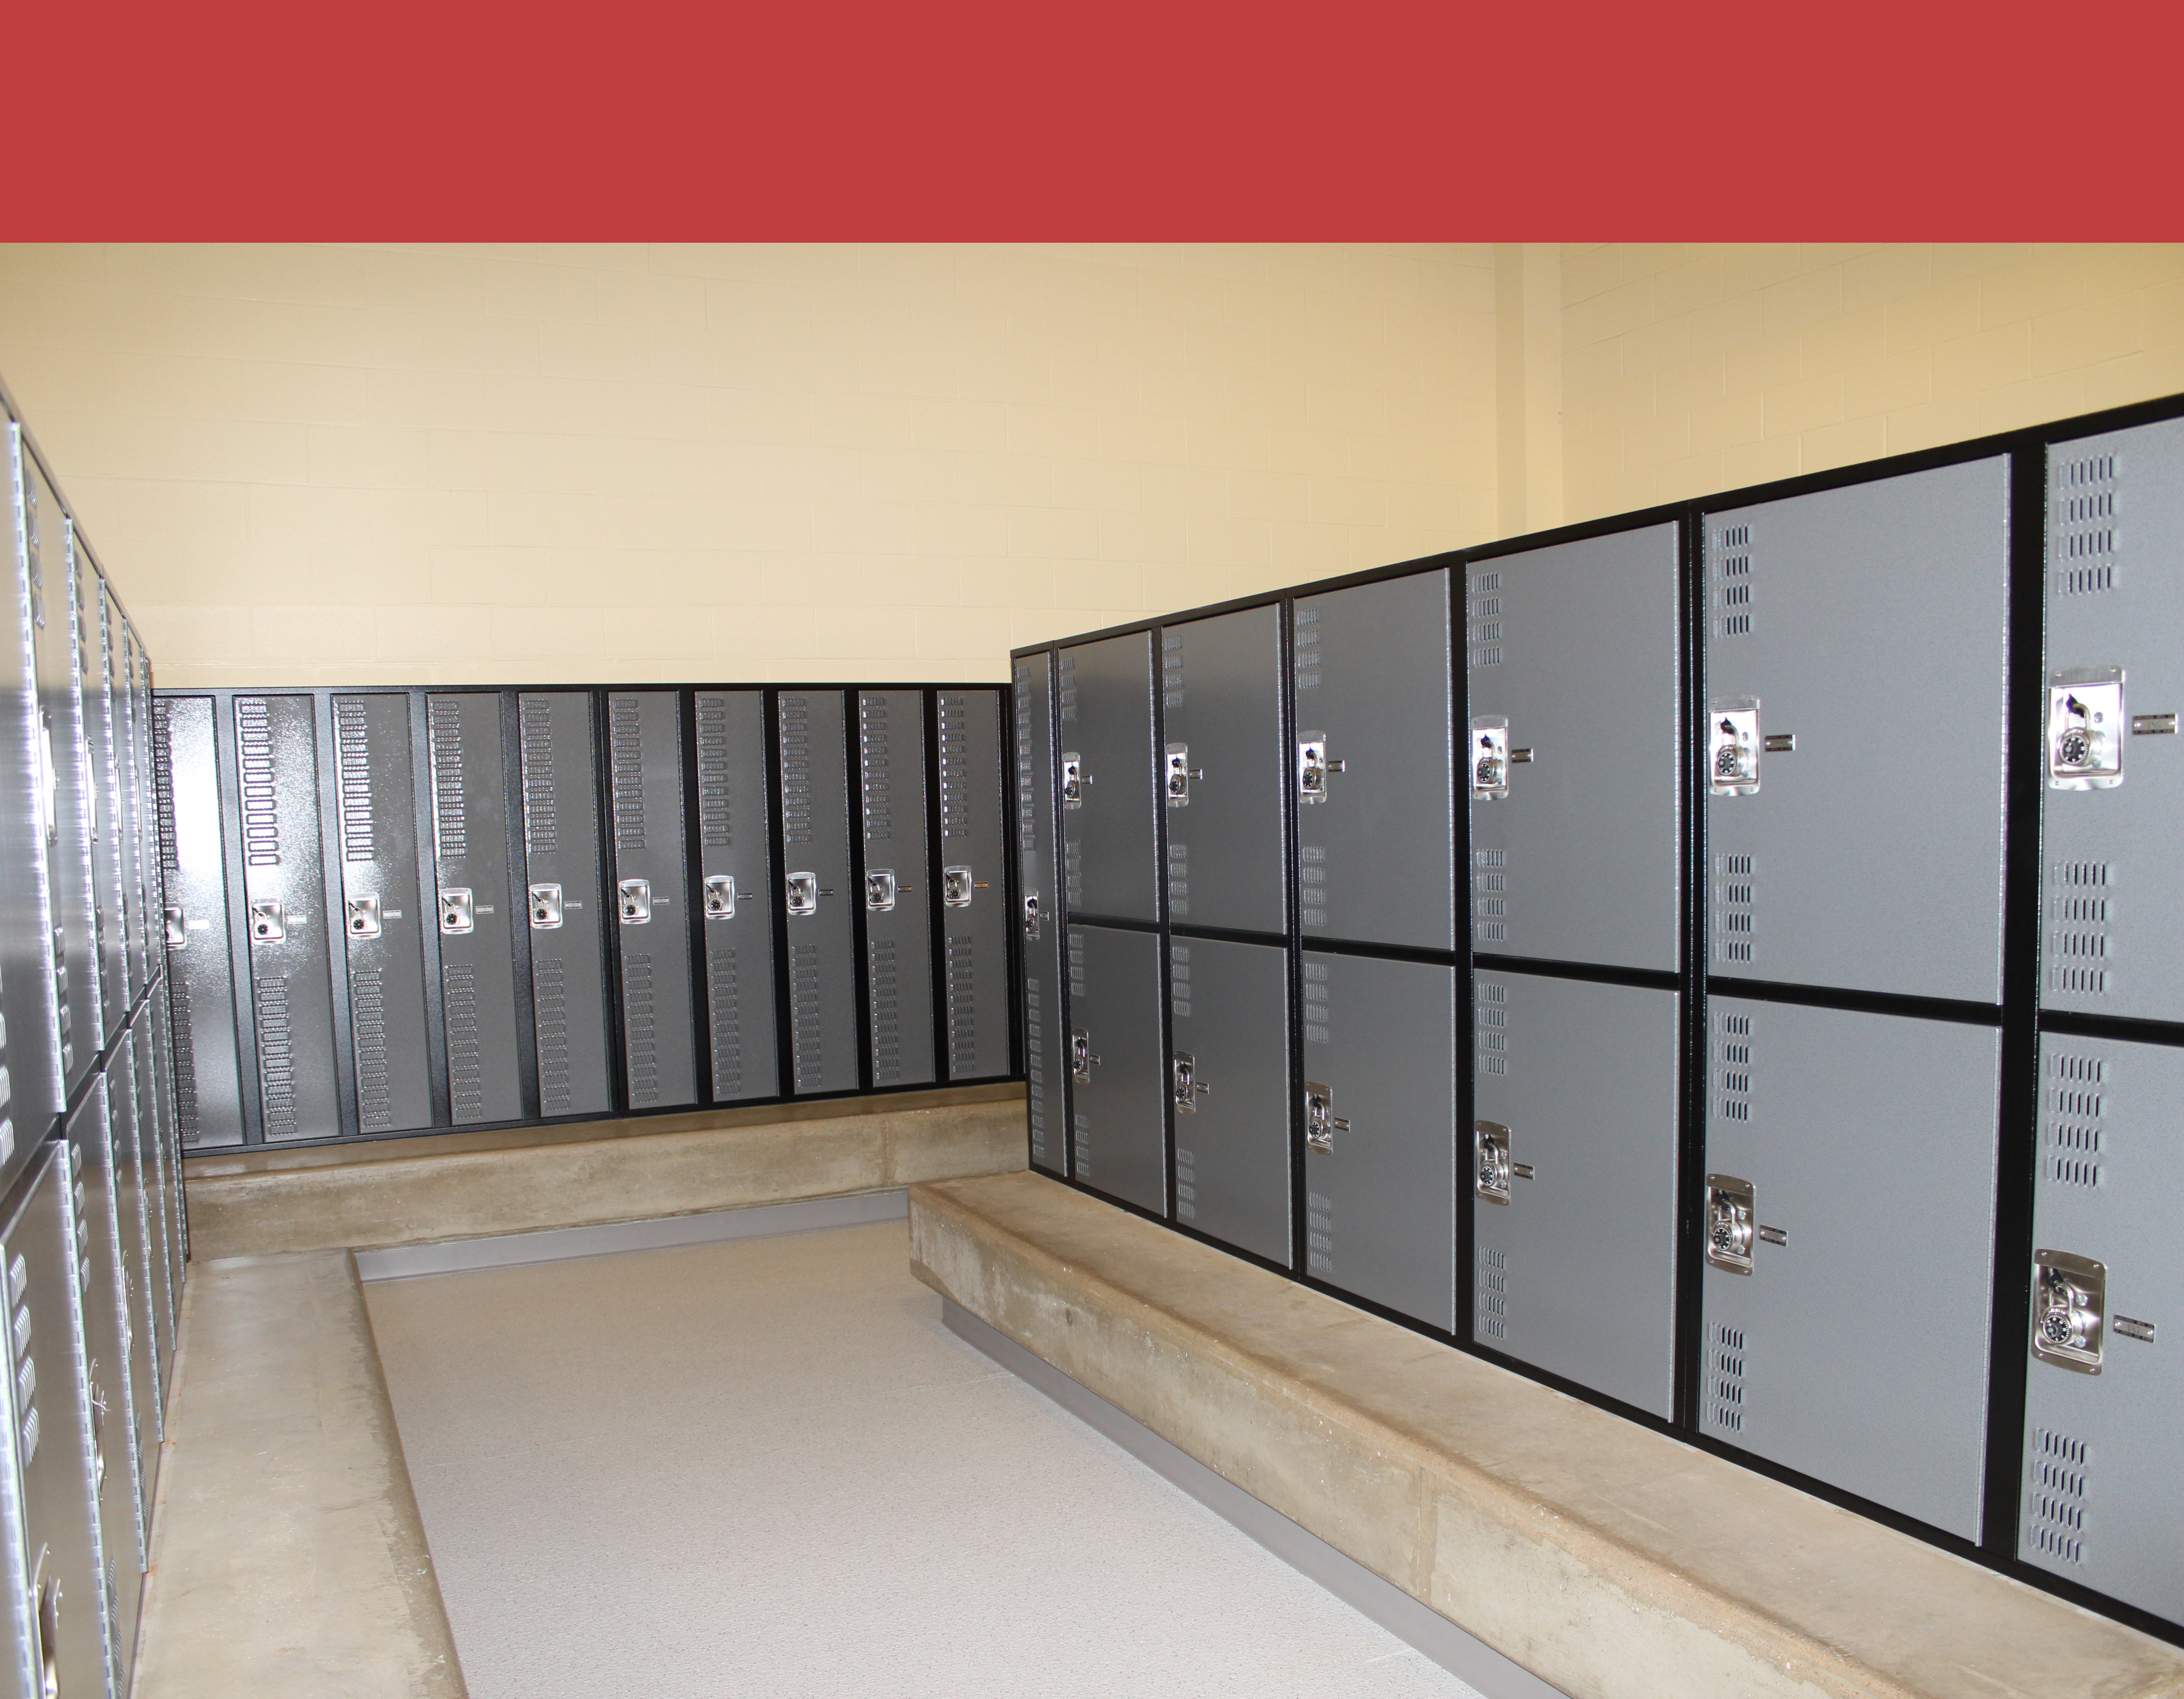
pixel 766 1468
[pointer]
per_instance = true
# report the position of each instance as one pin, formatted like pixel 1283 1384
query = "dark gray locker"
pixel 1379 1131
pixel 1040 913
pixel 1223 765
pixel 1575 751
pixel 1118 1069
pixel 383 914
pixel 974 887
pixel 174 1217
pixel 476 931
pixel 1851 1181
pixel 644 768
pixel 733 837
pixel 1109 790
pixel 199 967
pixel 132 1122
pixel 1373 764
pixel 144 730
pixel 814 858
pixel 2103 1481
pixel 891 812
pixel 1228 1080
pixel 133 801
pixel 2113 937
pixel 284 897
pixel 105 736
pixel 567 913
pixel 1574 1177
pixel 1823 610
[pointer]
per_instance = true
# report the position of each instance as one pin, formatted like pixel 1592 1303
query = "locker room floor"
pixel 766 1468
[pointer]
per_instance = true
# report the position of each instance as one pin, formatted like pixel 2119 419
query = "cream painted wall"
pixel 489 465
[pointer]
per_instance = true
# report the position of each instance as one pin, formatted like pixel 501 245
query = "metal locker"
pixel 1379 1131
pixel 1223 765
pixel 2103 1482
pixel 144 787
pixel 1372 764
pixel 2114 940
pixel 199 965
pixel 1573 1180
pixel 824 1049
pixel 1040 914
pixel 284 896
pixel 1849 1203
pixel 1828 614
pixel 734 838
pixel 1105 698
pixel 168 1147
pixel 1574 752
pixel 105 741
pixel 974 887
pixel 566 910
pixel 383 911
pixel 133 803
pixel 1117 1071
pixel 891 793
pixel 1228 1083
pixel 644 769
pixel 477 894
pixel 132 1123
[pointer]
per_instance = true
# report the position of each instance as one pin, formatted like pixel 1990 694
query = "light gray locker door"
pixel 1108 788
pixel 200 966
pixel 1379 1129
pixel 284 894
pixel 736 901
pixel 2114 940
pixel 974 885
pixel 898 885
pixel 1574 1178
pixel 1574 743
pixel 469 858
pixel 567 913
pixel 824 1043
pixel 1045 1030
pixel 1373 764
pixel 132 1123
pixel 131 803
pixel 2103 1481
pixel 383 916
pixel 1228 1074
pixel 1856 647
pixel 1118 1131
pixel 1223 767
pixel 105 748
pixel 644 765
pixel 1851 1164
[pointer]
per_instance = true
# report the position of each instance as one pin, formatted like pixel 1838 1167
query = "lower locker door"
pixel 1118 1126
pixel 1229 1076
pixel 129 1122
pixel 200 969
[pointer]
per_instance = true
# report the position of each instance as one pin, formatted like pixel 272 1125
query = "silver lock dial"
pixel 545 902
pixel 1073 780
pixel 956 886
pixel 1082 1062
pixel 1187 1087
pixel 458 912
pixel 1729 1223
pixel 879 890
pixel 1314 767
pixel 634 899
pixel 720 896
pixel 1733 746
pixel 2086 727
pixel 2070 1301
pixel 360 917
pixel 1490 1165
pixel 1321 1123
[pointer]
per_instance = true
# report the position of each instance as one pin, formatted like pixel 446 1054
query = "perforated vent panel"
pixel 1735 913
pixel 352 776
pixel 542 808
pixel 2074 1102
pixel 2082 518
pixel 2056 1470
pixel 1490 1019
pixel 1732 581
pixel 444 722
pixel 2081 911
pixel 1493 1294
pixel 1732 1055
pixel 1724 1379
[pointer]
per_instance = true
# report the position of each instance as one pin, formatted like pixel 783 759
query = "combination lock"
pixel 2069 1299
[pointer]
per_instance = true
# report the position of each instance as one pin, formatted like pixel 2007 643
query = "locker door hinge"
pixel 545 907
pixel 458 911
pixel 956 886
pixel 635 898
pixel 1321 1123
pixel 363 913
pixel 2084 729
pixel 720 896
pixel 1187 1087
pixel 2070 1300
pixel 1314 767
pixel 1180 773
pixel 1082 1062
pixel 1733 746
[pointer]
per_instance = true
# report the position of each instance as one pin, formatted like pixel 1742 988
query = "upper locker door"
pixel 1373 764
pixel 1575 751
pixel 131 768
pixel 1108 789
pixel 974 885
pixel 382 911
pixel 891 793
pixel 2113 937
pixel 566 910
pixel 1039 917
pixel 734 838
pixel 200 968
pixel 821 926
pixel 1222 769
pixel 105 715
pixel 644 765
pixel 476 932
pixel 1856 650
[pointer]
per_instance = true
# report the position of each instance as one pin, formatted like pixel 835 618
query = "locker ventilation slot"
pixel 639 1032
pixel 1735 917
pixel 875 769
pixel 353 777
pixel 1491 1020
pixel 715 821
pixel 443 723
pixel 163 780
pixel 1319 1233
pixel 795 770
pixel 375 1101
pixel 2074 1102
pixel 1725 1377
pixel 626 770
pixel 722 988
pixel 277 1065
pixel 261 808
pixel 465 1055
pixel 2056 1468
pixel 2079 904
pixel 1315 1003
pixel 1732 573
pixel 1489 903
pixel 887 1012
pixel 1171 669
pixel 962 965
pixel 1065 691
pixel 807 1027
pixel 955 815
pixel 541 813
pixel 2082 532
pixel 1493 1294
pixel 186 1062
pixel 1733 1076
pixel 1482 615
pixel 550 1000
pixel 1305 644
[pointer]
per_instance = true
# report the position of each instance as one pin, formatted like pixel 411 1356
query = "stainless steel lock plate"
pixel 1728 1223
pixel 1321 1123
pixel 1177 775
pixel 1031 916
pixel 1082 1062
pixel 360 916
pixel 1073 780
pixel 720 896
pixel 1182 1073
pixel 1490 758
pixel 2086 728
pixel 1733 746
pixel 957 885
pixel 545 907
pixel 458 912
pixel 634 898
pixel 1313 766
pixel 879 889
pixel 268 924
pixel 2070 1301
pixel 803 894
pixel 178 936
pixel 1491 1144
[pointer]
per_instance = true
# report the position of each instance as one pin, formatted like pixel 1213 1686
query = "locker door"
pixel 133 1117
pixel 476 932
pixel 2113 942
pixel 817 896
pixel 130 768
pixel 2103 1482
pixel 974 886
pixel 1574 1177
pixel 1108 785
pixel 200 968
pixel 1044 1027
pixel 147 811
pixel 1223 765
pixel 1850 1198
pixel 1229 1076
pixel 567 913
pixel 644 764
pixel 382 911
pixel 1118 1141
pixel 1372 764
pixel 175 1220
pixel 105 746
pixel 1379 1115
pixel 284 891
pixel 1575 746
pixel 898 885
pixel 733 837
pixel 1828 611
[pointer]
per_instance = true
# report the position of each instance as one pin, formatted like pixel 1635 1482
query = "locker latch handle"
pixel 268 923
pixel 803 894
pixel 49 781
pixel 633 897
pixel 1730 1229
pixel 2086 728
pixel 1321 1123
pixel 1187 1087
pixel 1314 767
pixel 1733 746
pixel 178 935
pixel 1073 780
pixel 1180 774
pixel 1082 1062
pixel 879 889
pixel 1031 916
pixel 1490 758
pixel 1491 1167
pixel 545 907
pixel 2069 1300
pixel 458 912
pixel 956 886
pixel 362 914
pixel 720 896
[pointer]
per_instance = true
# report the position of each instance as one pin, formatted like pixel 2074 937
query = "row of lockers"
pixel 401 909
pixel 1714 959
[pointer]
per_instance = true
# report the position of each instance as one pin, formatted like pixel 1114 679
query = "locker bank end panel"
pixel 1039 920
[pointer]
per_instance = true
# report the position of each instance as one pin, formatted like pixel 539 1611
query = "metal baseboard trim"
pixel 562 1244
pixel 1462 1655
